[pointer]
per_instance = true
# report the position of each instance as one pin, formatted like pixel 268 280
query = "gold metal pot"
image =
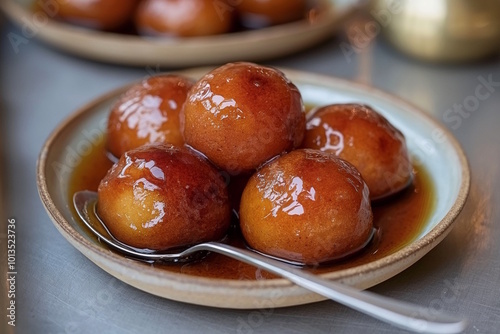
pixel 441 30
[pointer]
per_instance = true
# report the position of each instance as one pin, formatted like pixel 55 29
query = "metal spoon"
pixel 401 314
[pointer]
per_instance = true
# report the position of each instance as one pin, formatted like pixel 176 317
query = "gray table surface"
pixel 60 291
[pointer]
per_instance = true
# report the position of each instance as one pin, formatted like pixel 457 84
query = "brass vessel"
pixel 440 30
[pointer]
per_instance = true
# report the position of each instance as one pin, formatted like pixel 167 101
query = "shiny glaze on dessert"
pixel 308 207
pixel 241 114
pixel 359 134
pixel 148 112
pixel 399 220
pixel 161 196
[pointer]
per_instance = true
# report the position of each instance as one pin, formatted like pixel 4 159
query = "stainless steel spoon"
pixel 401 314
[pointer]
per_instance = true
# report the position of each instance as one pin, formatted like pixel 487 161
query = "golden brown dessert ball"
pixel 262 13
pixel 159 196
pixel 366 139
pixel 306 206
pixel 183 18
pixel 97 14
pixel 148 113
pixel 242 114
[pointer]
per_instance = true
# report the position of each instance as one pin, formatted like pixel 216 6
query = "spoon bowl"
pixel 401 314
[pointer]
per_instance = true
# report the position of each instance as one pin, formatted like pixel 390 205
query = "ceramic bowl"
pixel 255 45
pixel 427 141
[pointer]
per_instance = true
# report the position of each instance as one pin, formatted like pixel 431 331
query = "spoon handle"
pixel 401 314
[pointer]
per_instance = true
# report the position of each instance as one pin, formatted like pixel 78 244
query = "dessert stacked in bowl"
pixel 239 143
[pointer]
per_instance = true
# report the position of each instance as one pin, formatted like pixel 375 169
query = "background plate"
pixel 427 141
pixel 256 45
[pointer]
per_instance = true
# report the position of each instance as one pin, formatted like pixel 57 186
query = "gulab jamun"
pixel 161 196
pixel 95 14
pixel 242 114
pixel 262 13
pixel 306 206
pixel 183 18
pixel 366 139
pixel 148 112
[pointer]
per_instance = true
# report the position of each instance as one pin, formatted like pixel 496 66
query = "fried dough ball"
pixel 367 140
pixel 306 206
pixel 242 114
pixel 96 14
pixel 183 18
pixel 262 13
pixel 159 196
pixel 148 113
